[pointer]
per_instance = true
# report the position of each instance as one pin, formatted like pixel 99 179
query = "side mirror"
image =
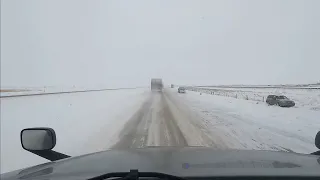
pixel 41 141
pixel 317 140
pixel 317 143
pixel 38 139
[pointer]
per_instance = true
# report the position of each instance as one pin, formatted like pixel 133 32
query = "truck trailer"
pixel 156 84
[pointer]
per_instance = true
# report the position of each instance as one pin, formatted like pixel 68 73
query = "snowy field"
pixel 84 122
pixel 304 98
pixel 242 124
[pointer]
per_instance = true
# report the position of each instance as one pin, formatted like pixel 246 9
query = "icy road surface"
pixel 161 122
pixel 138 118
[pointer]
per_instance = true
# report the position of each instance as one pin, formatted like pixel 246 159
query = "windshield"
pixel 282 97
pixel 108 74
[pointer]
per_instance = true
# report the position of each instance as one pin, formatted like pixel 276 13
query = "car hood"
pixel 186 162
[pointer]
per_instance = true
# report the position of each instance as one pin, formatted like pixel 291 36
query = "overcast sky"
pixel 122 43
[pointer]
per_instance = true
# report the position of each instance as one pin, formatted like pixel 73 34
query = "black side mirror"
pixel 38 139
pixel 317 143
pixel 41 141
pixel 317 140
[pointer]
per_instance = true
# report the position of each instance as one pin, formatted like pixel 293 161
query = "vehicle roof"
pixel 272 95
pixel 186 162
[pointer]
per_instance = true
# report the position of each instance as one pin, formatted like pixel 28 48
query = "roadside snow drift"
pixel 241 124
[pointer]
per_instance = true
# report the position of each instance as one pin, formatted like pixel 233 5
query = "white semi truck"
pixel 156 84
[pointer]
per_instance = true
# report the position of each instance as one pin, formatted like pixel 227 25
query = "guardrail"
pixel 62 92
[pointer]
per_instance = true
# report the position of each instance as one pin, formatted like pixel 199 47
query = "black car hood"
pixel 186 162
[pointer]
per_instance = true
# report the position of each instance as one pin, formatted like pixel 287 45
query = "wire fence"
pixel 230 93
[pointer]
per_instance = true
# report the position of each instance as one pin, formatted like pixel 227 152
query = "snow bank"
pixel 245 124
pixel 84 122
pixel 306 98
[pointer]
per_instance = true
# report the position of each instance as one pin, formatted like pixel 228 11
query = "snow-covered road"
pixel 162 122
pixel 152 125
pixel 137 118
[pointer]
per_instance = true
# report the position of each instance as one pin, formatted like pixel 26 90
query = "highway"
pixel 162 121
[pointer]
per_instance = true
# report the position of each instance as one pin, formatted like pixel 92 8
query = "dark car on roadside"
pixel 281 101
pixel 181 90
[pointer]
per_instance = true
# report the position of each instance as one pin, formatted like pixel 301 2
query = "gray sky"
pixel 125 43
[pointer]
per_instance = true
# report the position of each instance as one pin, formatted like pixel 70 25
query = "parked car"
pixel 181 90
pixel 271 100
pixel 281 101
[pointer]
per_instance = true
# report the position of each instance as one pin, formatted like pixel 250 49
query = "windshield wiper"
pixel 135 175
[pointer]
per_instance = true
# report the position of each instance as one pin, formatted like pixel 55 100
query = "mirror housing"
pixel 41 141
pixel 317 140
pixel 38 139
pixel 317 143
